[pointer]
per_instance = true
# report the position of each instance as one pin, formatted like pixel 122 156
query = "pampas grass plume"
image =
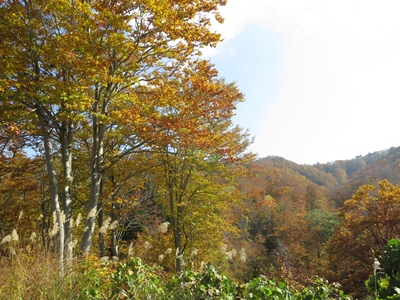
pixel 113 225
pixel 130 250
pixel 147 245
pixel 163 228
pixel 104 227
pixel 223 248
pixel 14 235
pixel 55 228
pixel 33 237
pixel 243 255
pixel 78 220
pixel 62 217
pixel 20 215
pixel 6 239
pixel 233 251
pixel 92 213
pixel 11 237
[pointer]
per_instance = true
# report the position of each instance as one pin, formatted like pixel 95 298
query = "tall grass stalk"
pixel 31 275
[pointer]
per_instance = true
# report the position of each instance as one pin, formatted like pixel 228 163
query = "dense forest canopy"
pixel 107 83
pixel 117 140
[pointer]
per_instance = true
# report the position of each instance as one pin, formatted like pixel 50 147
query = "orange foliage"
pixel 369 219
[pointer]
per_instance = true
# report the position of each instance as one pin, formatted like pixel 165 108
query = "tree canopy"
pixel 101 80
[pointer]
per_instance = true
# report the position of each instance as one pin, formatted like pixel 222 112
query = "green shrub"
pixel 208 284
pixel 262 288
pixel 322 290
pixel 385 282
pixel 135 280
pixel 91 278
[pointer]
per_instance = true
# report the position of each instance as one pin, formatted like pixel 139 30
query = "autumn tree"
pixel 193 152
pixel 20 178
pixel 42 77
pixel 73 65
pixel 287 216
pixel 125 200
pixel 369 219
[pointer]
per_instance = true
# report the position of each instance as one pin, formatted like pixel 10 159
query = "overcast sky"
pixel 321 77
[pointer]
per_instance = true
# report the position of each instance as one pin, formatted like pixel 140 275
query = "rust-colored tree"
pixel 288 216
pixel 369 219
pixel 194 151
pixel 68 66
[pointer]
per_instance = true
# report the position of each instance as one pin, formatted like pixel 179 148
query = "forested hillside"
pixel 119 158
pixel 306 205
pixel 342 178
pixel 283 220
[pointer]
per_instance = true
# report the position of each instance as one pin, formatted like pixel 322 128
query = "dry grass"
pixel 32 274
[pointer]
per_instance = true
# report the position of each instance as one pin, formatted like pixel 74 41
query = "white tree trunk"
pixel 96 170
pixel 53 184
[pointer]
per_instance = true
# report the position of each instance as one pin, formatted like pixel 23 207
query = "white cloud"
pixel 340 90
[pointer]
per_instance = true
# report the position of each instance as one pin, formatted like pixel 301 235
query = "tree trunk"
pixel 114 246
pixel 66 152
pixel 102 245
pixel 52 183
pixel 96 174
pixel 176 231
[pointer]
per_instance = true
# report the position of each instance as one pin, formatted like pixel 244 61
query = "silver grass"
pixel 71 223
pixel 6 239
pixel 194 251
pixel 223 248
pixel 113 225
pixel 92 213
pixel 21 213
pixel 147 245
pixel 62 217
pixel 104 258
pixel 12 251
pixel 243 255
pixel 130 250
pixel 163 228
pixel 14 235
pixel 78 220
pixel 33 237
pixel 202 265
pixel 55 228
pixel 9 238
pixel 104 227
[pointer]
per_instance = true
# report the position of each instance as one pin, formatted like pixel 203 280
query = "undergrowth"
pixel 35 275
